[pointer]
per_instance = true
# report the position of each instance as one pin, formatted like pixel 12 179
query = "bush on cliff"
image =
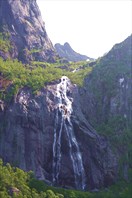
pixel 34 76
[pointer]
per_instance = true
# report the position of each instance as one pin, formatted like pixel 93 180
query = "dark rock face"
pixel 29 124
pixel 27 137
pixel 21 19
pixel 65 51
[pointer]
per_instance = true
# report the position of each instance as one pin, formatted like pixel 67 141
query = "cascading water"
pixel 63 123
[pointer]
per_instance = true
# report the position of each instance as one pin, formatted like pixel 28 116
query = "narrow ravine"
pixel 63 124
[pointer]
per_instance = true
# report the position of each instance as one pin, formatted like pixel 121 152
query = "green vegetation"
pixel 103 86
pixel 120 190
pixel 16 183
pixel 34 51
pixel 5 45
pixel 108 93
pixel 58 69
pixel 35 76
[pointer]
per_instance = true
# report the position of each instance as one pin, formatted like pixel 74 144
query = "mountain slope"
pixel 108 93
pixel 109 84
pixel 65 51
pixel 21 23
pixel 44 124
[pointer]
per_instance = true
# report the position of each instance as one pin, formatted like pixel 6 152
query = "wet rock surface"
pixel 27 140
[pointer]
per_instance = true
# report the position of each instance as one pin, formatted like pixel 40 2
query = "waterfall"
pixel 63 124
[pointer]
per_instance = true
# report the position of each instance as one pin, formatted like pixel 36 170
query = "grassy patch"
pixel 36 75
pixel 5 45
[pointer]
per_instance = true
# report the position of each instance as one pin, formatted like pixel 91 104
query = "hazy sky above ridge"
pixel 90 27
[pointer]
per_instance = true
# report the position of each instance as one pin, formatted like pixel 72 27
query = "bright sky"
pixel 90 27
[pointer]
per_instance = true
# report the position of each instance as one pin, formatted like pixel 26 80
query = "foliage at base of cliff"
pixel 16 183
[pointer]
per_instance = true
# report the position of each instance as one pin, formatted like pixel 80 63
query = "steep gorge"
pixel 53 131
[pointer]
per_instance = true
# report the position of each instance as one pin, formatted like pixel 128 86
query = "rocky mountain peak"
pixel 22 21
pixel 67 45
pixel 66 51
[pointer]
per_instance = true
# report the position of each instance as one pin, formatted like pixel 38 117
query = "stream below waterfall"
pixel 63 124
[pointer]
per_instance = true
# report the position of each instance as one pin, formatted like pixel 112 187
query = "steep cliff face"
pixel 65 51
pixel 21 21
pixel 49 134
pixel 108 89
pixel 108 93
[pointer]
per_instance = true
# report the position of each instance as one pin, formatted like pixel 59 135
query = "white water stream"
pixel 63 124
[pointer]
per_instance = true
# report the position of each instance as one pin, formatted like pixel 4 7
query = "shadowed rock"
pixel 27 136
pixel 22 20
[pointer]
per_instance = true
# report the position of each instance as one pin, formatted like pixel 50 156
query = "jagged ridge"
pixel 65 51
